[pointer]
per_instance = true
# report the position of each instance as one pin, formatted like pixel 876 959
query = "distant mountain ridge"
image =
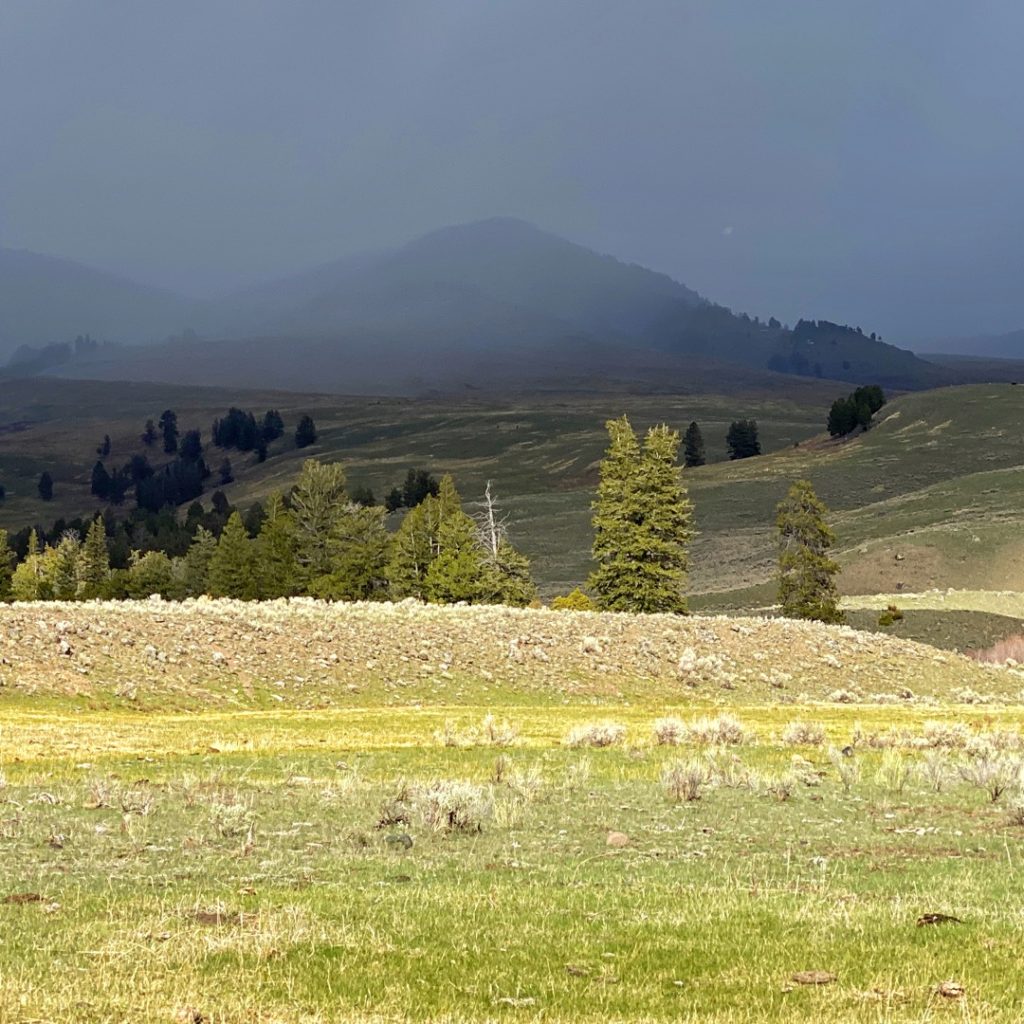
pixel 479 303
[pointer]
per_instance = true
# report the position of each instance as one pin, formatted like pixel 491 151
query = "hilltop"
pixel 494 303
pixel 306 654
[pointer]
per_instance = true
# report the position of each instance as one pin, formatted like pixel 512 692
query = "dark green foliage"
pixel 855 410
pixel 94 561
pixel 195 573
pixel 169 430
pixel 6 567
pixel 642 523
pixel 100 483
pixel 176 483
pixel 191 447
pixel 273 425
pixel 3 492
pixel 807 588
pixel 418 485
pixel 305 432
pixel 393 502
pixel 45 486
pixel 275 565
pixel 225 473
pixel 103 450
pixel 238 429
pixel 693 447
pixel 149 434
pixel 362 495
pixel 742 440
pixel 232 567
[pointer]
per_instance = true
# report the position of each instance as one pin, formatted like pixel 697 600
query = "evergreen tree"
pixel 65 567
pixel 100 483
pixel 150 573
pixel 642 523
pixel 231 568
pixel 94 561
pixel 195 568
pixel 413 550
pixel 46 486
pixel 506 577
pixel 6 567
pixel 275 552
pixel 456 573
pixel 226 475
pixel 693 447
pixel 359 546
pixel 169 430
pixel 3 492
pixel 149 434
pixel 742 439
pixel 318 502
pixel 305 432
pixel 393 501
pixel 191 447
pixel 807 588
pixel 103 450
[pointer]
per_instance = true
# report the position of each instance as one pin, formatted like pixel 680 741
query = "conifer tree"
pixel 100 482
pixel 195 568
pixel 148 434
pixel 65 567
pixel 6 567
pixel 642 523
pixel 412 551
pixel 275 552
pixel 305 432
pixel 45 486
pixel 807 588
pixel 359 547
pixel 231 568
pixel 150 573
pixel 318 502
pixel 456 573
pixel 94 561
pixel 693 447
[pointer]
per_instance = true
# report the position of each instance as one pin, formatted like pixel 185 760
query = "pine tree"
pixel 6 567
pixel 642 523
pixel 195 568
pixel 169 429
pixel 305 432
pixel 150 573
pixel 149 434
pixel 100 484
pixel 412 551
pixel 807 588
pixel 231 568
pixel 318 502
pixel 742 439
pixel 506 578
pixel 94 561
pixel 359 547
pixel 693 447
pixel 65 567
pixel 275 552
pixel 103 449
pixel 456 573
pixel 46 486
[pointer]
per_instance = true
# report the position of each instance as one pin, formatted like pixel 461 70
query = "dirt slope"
pixel 307 654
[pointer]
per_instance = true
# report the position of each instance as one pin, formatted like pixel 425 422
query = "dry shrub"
pixel 232 819
pixel 965 695
pixel 577 775
pixel 804 734
pixel 722 730
pixel 1009 651
pixel 453 805
pixel 683 780
pixel 947 735
pixel 846 766
pixel 669 732
pixel 993 772
pixel 936 769
pixel 1015 806
pixel 489 733
pixel 397 808
pixel 598 734
pixel 728 770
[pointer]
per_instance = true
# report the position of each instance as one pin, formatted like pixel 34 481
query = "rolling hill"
pixel 489 303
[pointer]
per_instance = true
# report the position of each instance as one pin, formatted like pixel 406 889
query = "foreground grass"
pixel 229 867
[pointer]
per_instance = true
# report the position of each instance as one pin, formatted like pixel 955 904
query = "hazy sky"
pixel 851 159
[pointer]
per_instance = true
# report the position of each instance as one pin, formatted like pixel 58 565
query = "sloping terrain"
pixel 308 654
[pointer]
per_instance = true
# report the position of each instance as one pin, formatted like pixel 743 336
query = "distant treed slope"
pixel 44 300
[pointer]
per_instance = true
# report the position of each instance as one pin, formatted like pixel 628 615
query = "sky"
pixel 855 160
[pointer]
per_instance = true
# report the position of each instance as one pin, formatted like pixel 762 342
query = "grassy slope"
pixel 225 864
pixel 931 496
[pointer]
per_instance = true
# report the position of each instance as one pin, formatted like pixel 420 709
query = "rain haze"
pixel 856 161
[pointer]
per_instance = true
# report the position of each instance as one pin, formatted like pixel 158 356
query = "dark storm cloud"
pixel 856 160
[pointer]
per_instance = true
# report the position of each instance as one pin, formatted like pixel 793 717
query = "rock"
pixel 590 645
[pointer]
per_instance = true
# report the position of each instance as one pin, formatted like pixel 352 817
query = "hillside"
pixel 991 346
pixel 306 654
pixel 493 303
pixel 46 300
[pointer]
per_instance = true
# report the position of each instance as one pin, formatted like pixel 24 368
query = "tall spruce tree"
pixel 65 567
pixel 642 523
pixel 275 552
pixel 318 502
pixel 359 547
pixel 195 569
pixel 807 587
pixel 693 447
pixel 94 561
pixel 456 573
pixel 412 551
pixel 6 567
pixel 231 568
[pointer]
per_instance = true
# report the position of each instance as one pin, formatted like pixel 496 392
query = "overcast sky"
pixel 851 159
